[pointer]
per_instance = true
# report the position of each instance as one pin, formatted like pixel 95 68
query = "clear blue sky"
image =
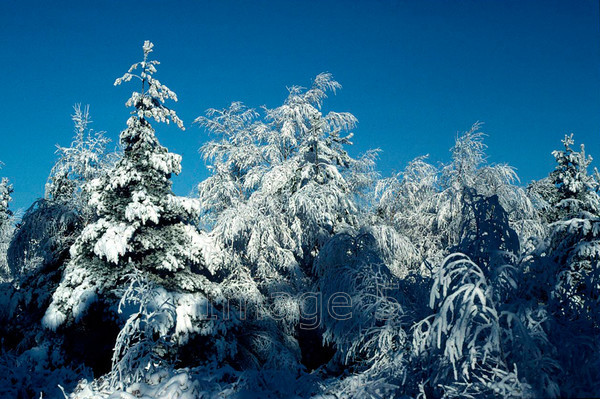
pixel 414 73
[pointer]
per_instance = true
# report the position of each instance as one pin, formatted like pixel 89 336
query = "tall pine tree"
pixel 140 224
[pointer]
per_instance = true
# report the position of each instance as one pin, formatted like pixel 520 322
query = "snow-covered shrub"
pixel 361 314
pixel 526 343
pixel 143 345
pixel 162 384
pixel 458 347
pixel 156 323
pixel 365 313
pixel 37 372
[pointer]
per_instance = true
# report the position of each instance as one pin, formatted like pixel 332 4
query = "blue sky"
pixel 414 73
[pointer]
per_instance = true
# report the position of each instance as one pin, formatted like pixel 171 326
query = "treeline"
pixel 297 271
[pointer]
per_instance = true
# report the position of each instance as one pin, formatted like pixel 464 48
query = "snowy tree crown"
pixel 149 103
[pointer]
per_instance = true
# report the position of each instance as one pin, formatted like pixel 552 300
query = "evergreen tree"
pixel 469 176
pixel 141 226
pixel 236 158
pixel 406 202
pixel 280 188
pixel 570 263
pixel 570 190
pixel 569 200
pixel 576 189
pixel 318 179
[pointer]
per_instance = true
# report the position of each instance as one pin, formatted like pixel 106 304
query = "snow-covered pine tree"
pixel 294 177
pixel 406 203
pixel 237 161
pixel 5 198
pixel 571 255
pixel 32 363
pixel 469 176
pixel 575 189
pixel 141 225
pixel 570 202
pixel 308 148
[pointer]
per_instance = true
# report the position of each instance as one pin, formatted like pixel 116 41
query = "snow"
pixel 83 298
pixel 189 309
pixel 53 318
pixel 142 209
pixel 114 242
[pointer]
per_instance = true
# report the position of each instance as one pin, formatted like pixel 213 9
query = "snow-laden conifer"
pixel 234 158
pixel 139 223
pixel 469 171
pixel 406 202
pixel 575 186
